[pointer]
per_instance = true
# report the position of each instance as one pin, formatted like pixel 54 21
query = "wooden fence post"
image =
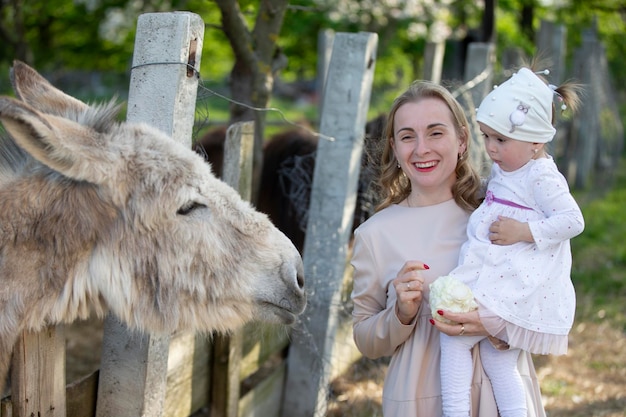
pixel 325 39
pixel 478 80
pixel 433 60
pixel 333 196
pixel 38 374
pixel 227 350
pixel 163 89
pixel 551 41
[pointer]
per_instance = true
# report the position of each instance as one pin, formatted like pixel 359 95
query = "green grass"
pixel 599 255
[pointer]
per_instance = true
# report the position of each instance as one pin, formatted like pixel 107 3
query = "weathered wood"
pixel 188 374
pixel 38 374
pixel 162 93
pixel 227 349
pixel 433 61
pixel 325 39
pixel 478 80
pixel 260 343
pixel 264 399
pixel 6 408
pixel 333 195
pixel 82 395
pixel 551 41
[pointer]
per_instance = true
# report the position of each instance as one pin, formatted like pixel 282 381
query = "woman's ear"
pixel 463 138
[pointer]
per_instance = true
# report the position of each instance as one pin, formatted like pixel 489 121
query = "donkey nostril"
pixel 300 280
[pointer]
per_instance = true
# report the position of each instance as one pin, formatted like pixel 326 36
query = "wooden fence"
pixel 258 370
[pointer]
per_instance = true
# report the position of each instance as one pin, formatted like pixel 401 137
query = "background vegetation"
pixel 59 36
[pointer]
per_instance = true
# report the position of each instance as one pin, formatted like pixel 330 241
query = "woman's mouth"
pixel 425 166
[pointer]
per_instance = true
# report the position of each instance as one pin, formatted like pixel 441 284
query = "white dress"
pixel 525 290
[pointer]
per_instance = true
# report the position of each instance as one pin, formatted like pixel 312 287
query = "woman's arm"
pixel 377 326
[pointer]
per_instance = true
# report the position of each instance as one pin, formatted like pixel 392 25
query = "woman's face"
pixel 427 148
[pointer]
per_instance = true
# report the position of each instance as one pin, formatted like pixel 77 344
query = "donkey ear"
pixel 58 143
pixel 35 90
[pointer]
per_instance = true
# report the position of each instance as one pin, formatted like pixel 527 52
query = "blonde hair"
pixel 394 186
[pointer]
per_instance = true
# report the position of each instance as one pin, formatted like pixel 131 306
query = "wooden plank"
pixel 227 349
pixel 82 395
pixel 163 89
pixel 265 399
pixel 38 374
pixel 6 408
pixel 260 343
pixel 433 60
pixel 333 196
pixel 188 375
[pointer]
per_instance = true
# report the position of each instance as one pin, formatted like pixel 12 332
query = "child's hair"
pixel 568 92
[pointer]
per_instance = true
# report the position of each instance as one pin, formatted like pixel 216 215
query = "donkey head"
pixel 101 215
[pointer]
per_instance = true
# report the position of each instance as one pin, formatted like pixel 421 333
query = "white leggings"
pixel 500 366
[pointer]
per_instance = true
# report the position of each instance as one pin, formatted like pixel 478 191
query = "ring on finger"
pixel 462 329
pixel 408 286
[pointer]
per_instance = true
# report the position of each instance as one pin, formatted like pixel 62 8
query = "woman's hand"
pixel 468 324
pixel 409 286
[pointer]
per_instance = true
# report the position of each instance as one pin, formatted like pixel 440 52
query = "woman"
pixel 429 190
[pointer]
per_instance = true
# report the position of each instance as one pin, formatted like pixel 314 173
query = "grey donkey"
pixel 98 215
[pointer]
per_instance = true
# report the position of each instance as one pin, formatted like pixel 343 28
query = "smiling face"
pixel 427 147
pixel 509 154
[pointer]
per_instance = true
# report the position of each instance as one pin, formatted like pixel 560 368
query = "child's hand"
pixel 507 231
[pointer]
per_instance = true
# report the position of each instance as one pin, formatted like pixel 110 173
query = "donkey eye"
pixel 189 207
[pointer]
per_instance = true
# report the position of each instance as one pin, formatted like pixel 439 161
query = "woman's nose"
pixel 421 147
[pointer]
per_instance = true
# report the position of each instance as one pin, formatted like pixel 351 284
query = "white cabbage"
pixel 449 294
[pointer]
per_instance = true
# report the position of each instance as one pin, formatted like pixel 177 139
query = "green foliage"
pixel 608 17
pixel 599 266
pixel 98 35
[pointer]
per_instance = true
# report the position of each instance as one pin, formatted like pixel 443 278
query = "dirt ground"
pixel 590 381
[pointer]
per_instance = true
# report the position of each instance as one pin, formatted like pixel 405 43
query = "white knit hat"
pixel 520 108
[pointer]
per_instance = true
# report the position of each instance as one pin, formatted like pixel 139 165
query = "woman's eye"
pixel 189 207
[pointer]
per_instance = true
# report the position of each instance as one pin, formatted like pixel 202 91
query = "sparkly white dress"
pixel 525 291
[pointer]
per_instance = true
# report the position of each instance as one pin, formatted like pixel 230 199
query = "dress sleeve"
pixel 563 218
pixel 376 328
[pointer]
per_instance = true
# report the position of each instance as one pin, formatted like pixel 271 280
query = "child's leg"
pixel 501 367
pixel 456 374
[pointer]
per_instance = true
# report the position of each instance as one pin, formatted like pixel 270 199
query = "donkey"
pixel 103 216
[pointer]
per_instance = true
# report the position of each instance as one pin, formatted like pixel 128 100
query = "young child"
pixel 517 259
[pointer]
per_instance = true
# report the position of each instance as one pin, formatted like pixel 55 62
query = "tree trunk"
pixel 257 60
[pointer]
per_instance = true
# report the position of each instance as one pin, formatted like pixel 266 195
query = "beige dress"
pixel 382 244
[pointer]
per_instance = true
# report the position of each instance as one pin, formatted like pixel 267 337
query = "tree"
pixel 257 59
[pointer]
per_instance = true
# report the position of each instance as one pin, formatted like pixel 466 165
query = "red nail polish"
pixel 440 312
pixel 431 321
pixel 426 266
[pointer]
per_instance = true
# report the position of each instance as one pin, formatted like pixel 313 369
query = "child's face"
pixel 509 154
